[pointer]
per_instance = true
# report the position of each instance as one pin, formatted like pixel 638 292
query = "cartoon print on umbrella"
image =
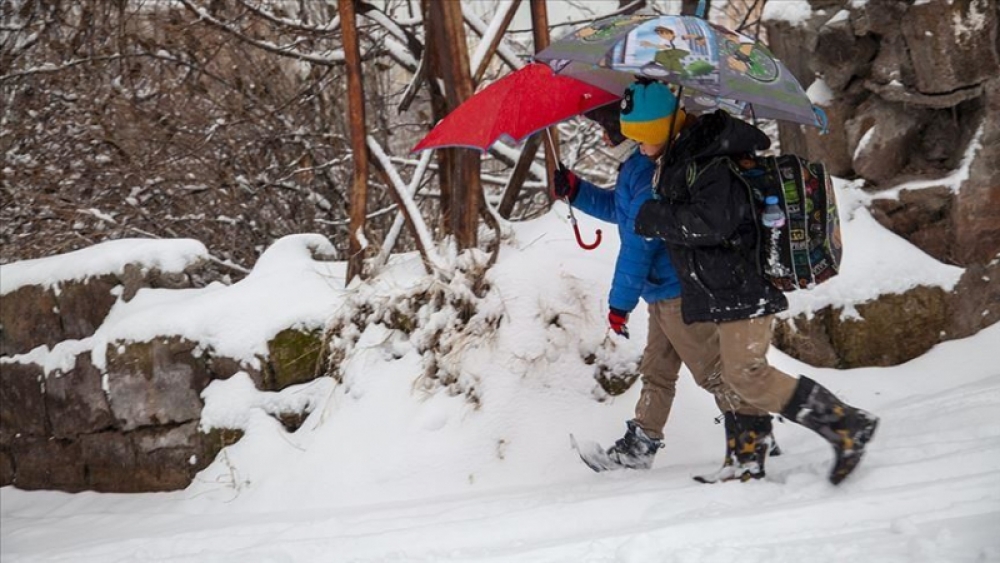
pixel 747 58
pixel 607 28
pixel 706 60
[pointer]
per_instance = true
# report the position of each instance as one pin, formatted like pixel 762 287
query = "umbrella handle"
pixel 579 239
pixel 576 231
pixel 572 218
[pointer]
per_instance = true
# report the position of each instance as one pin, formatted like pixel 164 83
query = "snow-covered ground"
pixel 387 469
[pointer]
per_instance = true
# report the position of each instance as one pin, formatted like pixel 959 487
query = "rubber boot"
pixel 748 441
pixel 848 429
pixel 635 450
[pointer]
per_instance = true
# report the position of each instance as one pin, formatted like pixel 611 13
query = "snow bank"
pixel 106 258
pixel 286 288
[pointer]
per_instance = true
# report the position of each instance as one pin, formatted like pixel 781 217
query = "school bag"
pixel 807 249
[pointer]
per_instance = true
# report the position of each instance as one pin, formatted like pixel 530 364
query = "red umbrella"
pixel 519 104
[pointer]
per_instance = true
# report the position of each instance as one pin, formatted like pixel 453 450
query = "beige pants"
pixel 744 345
pixel 699 346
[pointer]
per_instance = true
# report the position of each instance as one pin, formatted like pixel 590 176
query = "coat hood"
pixel 717 134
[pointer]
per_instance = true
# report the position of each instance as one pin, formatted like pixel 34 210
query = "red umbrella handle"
pixel 579 239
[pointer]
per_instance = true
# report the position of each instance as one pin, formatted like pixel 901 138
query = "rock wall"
pixel 132 426
pixel 915 114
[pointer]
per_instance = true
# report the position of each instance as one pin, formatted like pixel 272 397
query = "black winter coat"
pixel 705 214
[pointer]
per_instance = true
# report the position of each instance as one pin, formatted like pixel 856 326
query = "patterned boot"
pixel 748 441
pixel 848 429
pixel 635 450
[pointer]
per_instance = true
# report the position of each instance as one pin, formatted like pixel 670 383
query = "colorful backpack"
pixel 806 251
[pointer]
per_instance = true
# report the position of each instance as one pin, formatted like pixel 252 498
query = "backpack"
pixel 806 251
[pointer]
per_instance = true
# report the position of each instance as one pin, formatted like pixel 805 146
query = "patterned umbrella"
pixel 717 67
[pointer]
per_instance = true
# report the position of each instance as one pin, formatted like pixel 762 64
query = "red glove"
pixel 564 183
pixel 617 319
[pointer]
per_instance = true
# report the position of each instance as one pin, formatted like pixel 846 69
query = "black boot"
pixel 848 429
pixel 635 450
pixel 748 441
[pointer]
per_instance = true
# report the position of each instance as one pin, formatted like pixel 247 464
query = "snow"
pixel 866 140
pixel 168 256
pixel 972 23
pixel 841 17
pixel 287 287
pixel 820 93
pixel 795 12
pixel 388 467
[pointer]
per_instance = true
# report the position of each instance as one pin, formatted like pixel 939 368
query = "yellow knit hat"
pixel 657 131
pixel 650 112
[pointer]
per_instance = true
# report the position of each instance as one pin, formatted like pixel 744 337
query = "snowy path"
pixel 929 491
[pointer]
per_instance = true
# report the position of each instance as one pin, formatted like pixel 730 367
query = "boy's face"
pixel 651 151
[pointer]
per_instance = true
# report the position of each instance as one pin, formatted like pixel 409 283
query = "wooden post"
pixel 439 108
pixel 518 176
pixel 540 33
pixel 453 62
pixel 359 148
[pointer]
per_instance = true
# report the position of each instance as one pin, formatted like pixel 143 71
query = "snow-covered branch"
pixel 512 59
pixel 423 235
pixel 334 57
pixel 292 24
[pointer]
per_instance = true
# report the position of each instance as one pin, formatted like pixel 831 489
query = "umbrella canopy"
pixel 519 104
pixel 717 67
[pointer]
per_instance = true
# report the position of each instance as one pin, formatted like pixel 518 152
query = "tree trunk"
pixel 464 194
pixel 540 33
pixel 359 148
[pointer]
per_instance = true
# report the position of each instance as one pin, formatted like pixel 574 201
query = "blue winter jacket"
pixel 643 268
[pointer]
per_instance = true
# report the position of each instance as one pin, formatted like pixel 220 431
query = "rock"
pixel 877 17
pixel 83 305
pixel 109 459
pixel 788 43
pixel 76 402
pixel 943 139
pixel 168 457
pixel 6 467
pixel 808 339
pixel 893 329
pixel 295 356
pixel 922 217
pixel 135 277
pixel 953 45
pixel 154 383
pixel 827 5
pixel 892 65
pixel 898 93
pixel 48 463
pixel 840 55
pixel 221 367
pixel 29 317
pixel 831 148
pixel 975 302
pixel 22 401
pixel 880 138
pixel 977 207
